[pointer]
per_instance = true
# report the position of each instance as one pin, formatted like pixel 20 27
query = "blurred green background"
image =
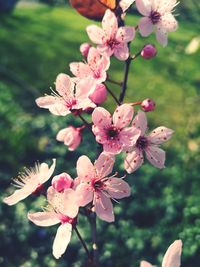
pixel 38 41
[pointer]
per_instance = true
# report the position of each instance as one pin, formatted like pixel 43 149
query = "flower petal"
pixel 140 122
pixel 121 51
pixel 160 135
pixel 46 218
pixel 168 23
pixel 156 156
pixel 162 36
pixel 95 34
pixel 84 194
pixel 69 205
pixel 101 117
pixel 128 137
pixel 103 207
pixel 145 264
pixel 125 34
pixel 109 24
pixel 19 195
pixel 62 239
pixel 79 69
pixel 45 172
pixel 104 164
pixel 123 115
pixel 133 160
pixel 172 256
pixel 64 85
pixel 117 188
pixel 143 6
pixel 145 26
pixel 85 169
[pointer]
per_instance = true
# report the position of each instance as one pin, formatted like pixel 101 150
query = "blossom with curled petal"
pixel 66 99
pixel 110 39
pixel 30 181
pixel 157 15
pixel 172 257
pixel 64 210
pixel 148 144
pixel 113 132
pixel 97 187
pixel 95 68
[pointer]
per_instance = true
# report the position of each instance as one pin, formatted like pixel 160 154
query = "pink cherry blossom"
pixel 172 257
pixel 63 210
pixel 148 144
pixel 29 181
pixel 71 137
pixel 157 15
pixel 125 4
pixel 99 95
pixel 111 39
pixel 66 99
pixel 62 181
pixel 97 187
pixel 113 132
pixel 95 68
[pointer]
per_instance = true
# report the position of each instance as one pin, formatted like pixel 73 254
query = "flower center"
pixel 112 132
pixel 112 43
pixel 97 184
pixel 70 103
pixel 155 17
pixel 66 219
pixel 142 142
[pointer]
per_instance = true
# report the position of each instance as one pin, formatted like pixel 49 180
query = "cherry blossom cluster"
pixel 124 132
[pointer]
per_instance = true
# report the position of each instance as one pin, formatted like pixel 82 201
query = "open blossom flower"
pixel 125 4
pixel 148 144
pixel 67 99
pixel 157 15
pixel 96 186
pixel 172 257
pixel 111 39
pixel 113 132
pixel 64 210
pixel 30 181
pixel 71 137
pixel 95 68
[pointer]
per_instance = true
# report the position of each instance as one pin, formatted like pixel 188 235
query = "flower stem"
pixel 83 243
pixel 125 80
pixel 114 82
pixel 113 95
pixel 87 124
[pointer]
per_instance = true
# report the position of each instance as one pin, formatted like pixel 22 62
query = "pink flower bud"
pixel 99 95
pixel 148 105
pixel 62 181
pixel 70 136
pixel 84 49
pixel 149 51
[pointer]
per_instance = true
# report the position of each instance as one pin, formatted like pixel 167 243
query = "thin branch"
pixel 113 95
pixel 125 80
pixel 87 124
pixel 83 243
pixel 114 82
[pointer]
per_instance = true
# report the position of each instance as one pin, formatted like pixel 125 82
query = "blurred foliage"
pixel 37 44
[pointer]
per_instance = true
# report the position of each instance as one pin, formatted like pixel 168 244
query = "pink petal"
pixel 123 115
pixel 109 24
pixel 95 33
pixel 168 23
pixel 172 257
pixel 104 164
pixel 46 218
pixel 69 203
pixel 101 117
pixel 84 194
pixel 79 69
pixel 46 172
pixel 84 88
pixel 62 239
pixel 117 188
pixel 145 26
pixel 103 207
pixel 64 85
pixel 125 34
pixel 112 147
pixel 128 137
pixel 18 195
pixel 160 135
pixel 144 7
pixel 46 101
pixel 105 50
pixel 61 134
pixel 162 36
pixel 85 169
pixel 93 57
pixel 140 122
pixel 133 160
pixel 121 52
pixel 145 264
pixel 156 156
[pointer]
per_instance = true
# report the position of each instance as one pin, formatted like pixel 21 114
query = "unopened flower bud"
pixel 70 136
pixel 84 49
pixel 62 181
pixel 99 95
pixel 149 51
pixel 148 105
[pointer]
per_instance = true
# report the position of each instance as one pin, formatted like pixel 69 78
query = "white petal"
pixel 45 172
pixel 143 6
pixel 160 135
pixel 168 23
pixel 45 218
pixel 140 122
pixel 95 34
pixel 62 239
pixel 172 256
pixel 156 156
pixel 145 26
pixel 145 264
pixel 18 195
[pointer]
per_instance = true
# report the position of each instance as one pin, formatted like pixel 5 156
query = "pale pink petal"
pixel 103 207
pixel 117 188
pixel 160 135
pixel 105 50
pixel 84 194
pixel 69 205
pixel 62 239
pixel 145 26
pixel 145 264
pixel 61 134
pixel 19 195
pixel 95 33
pixel 125 34
pixel 128 137
pixel 133 160
pixel 45 218
pixel 123 116
pixel 143 6
pixel 140 122
pixel 104 164
pixel 64 85
pixel 79 69
pixel 85 169
pixel 101 117
pixel 121 51
pixel 84 88
pixel 161 36
pixel 156 156
pixel 46 172
pixel 168 23
pixel 104 62
pixel 93 57
pixel 172 257
pixel 109 24
pixel 46 101
pixel 112 147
